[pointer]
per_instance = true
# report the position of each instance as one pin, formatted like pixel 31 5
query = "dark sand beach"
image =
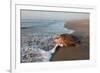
pixel 81 51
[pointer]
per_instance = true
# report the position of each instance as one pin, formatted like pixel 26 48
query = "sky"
pixel 36 16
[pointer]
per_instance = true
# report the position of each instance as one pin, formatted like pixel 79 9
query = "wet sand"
pixel 81 51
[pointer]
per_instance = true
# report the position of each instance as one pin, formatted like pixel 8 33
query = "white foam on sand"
pixel 37 42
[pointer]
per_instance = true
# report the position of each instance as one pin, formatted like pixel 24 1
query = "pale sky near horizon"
pixel 31 16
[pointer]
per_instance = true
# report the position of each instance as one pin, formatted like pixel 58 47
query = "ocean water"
pixel 46 26
pixel 37 39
